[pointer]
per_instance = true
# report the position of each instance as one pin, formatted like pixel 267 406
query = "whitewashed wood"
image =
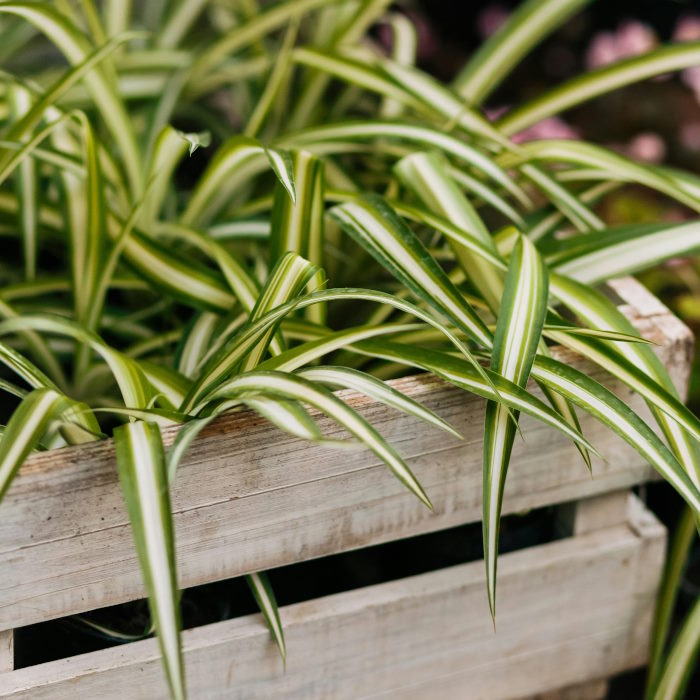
pixel 569 612
pixel 641 306
pixel 7 651
pixel 594 513
pixel 248 497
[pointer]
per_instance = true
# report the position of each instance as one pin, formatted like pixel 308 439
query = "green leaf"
pixel 265 598
pixel 250 32
pixel 334 136
pixel 26 186
pixel 27 425
pixel 426 176
pixel 581 390
pixel 87 224
pixel 280 77
pixel 136 390
pixel 681 662
pixel 184 438
pixel 600 81
pixel 616 415
pixel 289 416
pixel 330 341
pixel 438 100
pixel 235 161
pixel 178 22
pixel 368 385
pixel 77 48
pixel 676 563
pixel 21 366
pixel 463 375
pixel 518 333
pixel 371 222
pixel 195 342
pixel 286 386
pixel 171 386
pixel 352 70
pixel 39 349
pixel 45 101
pixel 174 273
pixel 286 281
pixel 546 221
pixel 531 22
pixel 224 361
pixel 455 234
pixel 596 310
pixel 348 29
pixel 144 479
pixel 239 280
pixel 624 250
pixel 612 166
pixel 628 372
pixel 297 226
pixel 404 51
pixel 169 148
pixel 18 151
pixel 572 207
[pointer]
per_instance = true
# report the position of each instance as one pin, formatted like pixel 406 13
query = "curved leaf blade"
pixel 287 386
pixel 518 332
pixel 144 479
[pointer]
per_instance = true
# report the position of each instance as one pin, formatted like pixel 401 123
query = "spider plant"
pixel 201 202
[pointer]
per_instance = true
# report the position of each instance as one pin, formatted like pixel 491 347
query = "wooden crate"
pixel 248 497
pixel 569 611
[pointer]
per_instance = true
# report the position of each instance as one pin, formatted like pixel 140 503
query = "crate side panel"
pixel 570 611
pixel 248 497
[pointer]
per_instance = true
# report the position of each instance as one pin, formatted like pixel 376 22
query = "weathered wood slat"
pixel 569 612
pixel 248 497
pixel 595 513
pixel 7 651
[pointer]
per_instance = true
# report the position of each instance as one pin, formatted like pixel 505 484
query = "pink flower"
pixel 691 77
pixel 602 50
pixel 647 146
pixel 630 39
pixel 689 135
pixel 687 28
pixel 490 20
pixel 549 128
pixel 495 113
pixel 635 38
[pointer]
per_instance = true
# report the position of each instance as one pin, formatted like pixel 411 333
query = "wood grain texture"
pixel 594 513
pixel 248 497
pixel 570 611
pixel 7 651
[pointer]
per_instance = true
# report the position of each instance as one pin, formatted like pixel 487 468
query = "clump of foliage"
pixel 337 202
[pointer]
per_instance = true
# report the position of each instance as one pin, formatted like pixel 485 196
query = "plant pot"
pixel 248 497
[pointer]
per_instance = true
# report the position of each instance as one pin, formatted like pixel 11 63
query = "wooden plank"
pixel 248 497
pixel 594 513
pixel 641 306
pixel 7 651
pixel 569 612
